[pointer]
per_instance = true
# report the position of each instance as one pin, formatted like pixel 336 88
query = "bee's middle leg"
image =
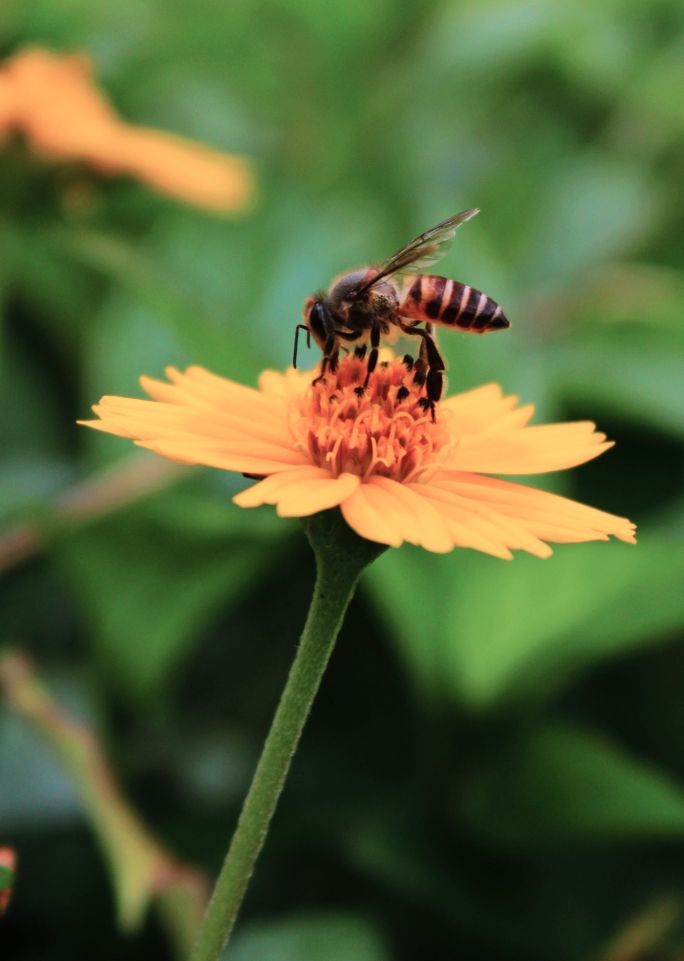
pixel 373 355
pixel 350 336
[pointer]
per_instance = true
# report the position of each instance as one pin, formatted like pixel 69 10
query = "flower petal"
pixel 411 514
pixel 438 499
pixel 466 528
pixel 544 516
pixel 485 408
pixel 285 386
pixel 265 490
pixel 364 512
pixel 528 450
pixel 477 526
pixel 300 492
pixel 179 167
pixel 200 388
pixel 59 109
pixel 205 419
pixel 243 459
pixel 148 419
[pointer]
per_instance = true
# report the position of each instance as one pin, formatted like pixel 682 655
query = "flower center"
pixel 386 429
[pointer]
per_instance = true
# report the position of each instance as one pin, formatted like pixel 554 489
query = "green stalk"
pixel 340 558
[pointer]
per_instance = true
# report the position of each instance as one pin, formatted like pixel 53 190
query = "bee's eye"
pixel 318 320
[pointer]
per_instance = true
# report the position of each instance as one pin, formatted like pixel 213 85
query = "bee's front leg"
pixel 331 354
pixel 296 341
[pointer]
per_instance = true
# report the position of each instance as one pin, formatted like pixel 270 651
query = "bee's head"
pixel 318 318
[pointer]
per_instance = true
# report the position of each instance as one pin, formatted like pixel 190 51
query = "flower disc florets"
pixel 386 429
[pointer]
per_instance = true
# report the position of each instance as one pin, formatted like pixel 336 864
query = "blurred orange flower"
pixel 8 867
pixel 51 99
pixel 377 454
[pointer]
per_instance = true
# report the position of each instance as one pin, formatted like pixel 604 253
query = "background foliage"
pixel 494 767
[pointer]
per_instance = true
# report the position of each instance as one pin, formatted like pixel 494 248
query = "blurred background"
pixel 493 767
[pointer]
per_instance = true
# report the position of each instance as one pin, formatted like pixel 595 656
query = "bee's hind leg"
pixel 428 336
pixel 430 360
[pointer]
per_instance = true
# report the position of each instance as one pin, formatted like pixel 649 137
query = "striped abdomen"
pixel 438 300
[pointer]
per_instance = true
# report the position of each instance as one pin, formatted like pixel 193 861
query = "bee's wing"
pixel 421 252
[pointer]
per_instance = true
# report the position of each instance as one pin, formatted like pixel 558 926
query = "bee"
pixel 367 303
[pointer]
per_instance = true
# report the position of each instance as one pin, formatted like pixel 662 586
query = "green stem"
pixel 340 558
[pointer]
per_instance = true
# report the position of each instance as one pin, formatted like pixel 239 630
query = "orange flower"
pixel 8 867
pixel 52 101
pixel 376 454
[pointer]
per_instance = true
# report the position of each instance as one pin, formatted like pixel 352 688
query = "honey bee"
pixel 367 303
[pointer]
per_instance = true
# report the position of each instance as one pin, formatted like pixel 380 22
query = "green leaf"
pixel 652 100
pixel 166 308
pixel 593 210
pixel 313 937
pixel 6 878
pixel 508 630
pixel 26 481
pixel 30 424
pixel 638 377
pixel 623 302
pixel 9 15
pixel 563 784
pixel 52 282
pixel 40 792
pixel 151 577
pixel 140 868
pixel 506 33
